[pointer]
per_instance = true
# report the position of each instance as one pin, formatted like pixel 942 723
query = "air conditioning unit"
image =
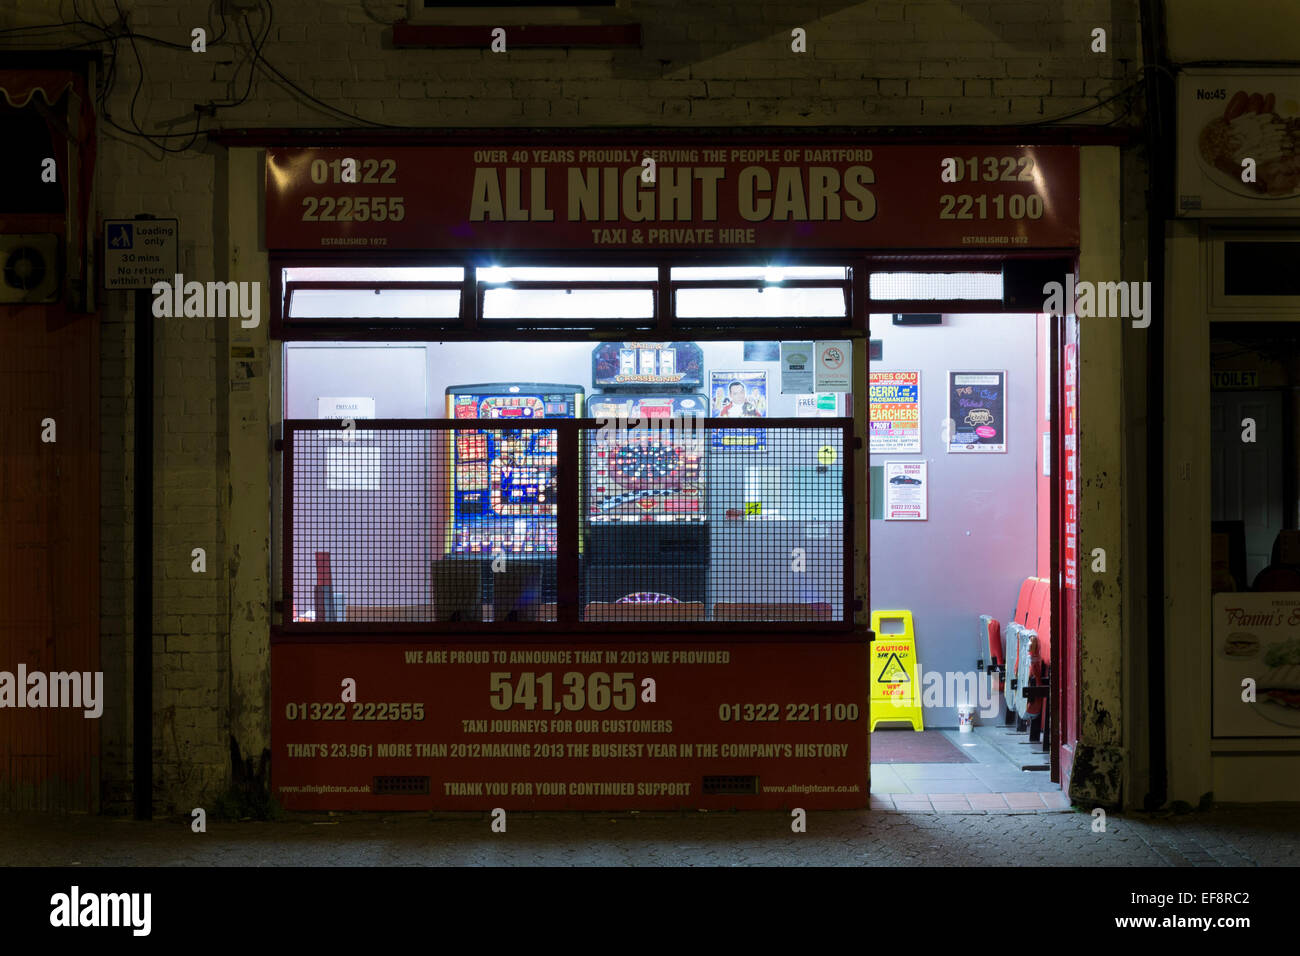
pixel 29 268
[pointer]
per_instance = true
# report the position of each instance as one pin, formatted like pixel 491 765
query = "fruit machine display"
pixel 502 491
pixel 646 529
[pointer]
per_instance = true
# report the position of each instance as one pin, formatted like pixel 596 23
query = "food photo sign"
pixel 1239 143
pixel 1256 664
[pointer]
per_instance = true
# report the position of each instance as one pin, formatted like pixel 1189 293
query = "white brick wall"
pixel 704 63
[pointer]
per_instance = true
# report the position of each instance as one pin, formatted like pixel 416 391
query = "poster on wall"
pixel 1256 638
pixel 895 400
pixel 977 410
pixel 796 368
pixel 738 395
pixel 833 369
pixel 1238 143
pixel 906 491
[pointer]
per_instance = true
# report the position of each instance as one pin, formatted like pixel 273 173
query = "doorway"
pixel 972 561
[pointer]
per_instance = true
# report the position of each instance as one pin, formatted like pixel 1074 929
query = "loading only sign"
pixel 140 252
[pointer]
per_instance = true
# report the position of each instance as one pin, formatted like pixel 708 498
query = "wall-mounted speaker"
pixel 29 268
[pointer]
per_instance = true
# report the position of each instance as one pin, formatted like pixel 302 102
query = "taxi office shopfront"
pixel 478 686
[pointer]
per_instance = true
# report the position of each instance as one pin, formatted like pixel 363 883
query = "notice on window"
pixel 345 408
pixel 895 399
pixel 833 371
pixel 905 491
pixel 977 412
pixel 796 368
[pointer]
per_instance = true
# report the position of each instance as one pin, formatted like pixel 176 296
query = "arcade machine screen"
pixel 651 469
pixel 503 480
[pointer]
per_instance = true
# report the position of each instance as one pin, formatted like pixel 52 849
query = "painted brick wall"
pixel 704 63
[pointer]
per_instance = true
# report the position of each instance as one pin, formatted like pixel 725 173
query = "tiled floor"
pixel 991 783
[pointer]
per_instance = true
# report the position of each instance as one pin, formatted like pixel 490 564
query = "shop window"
pixel 766 273
pixel 394 293
pixel 913 286
pixel 1261 268
pixel 560 304
pixel 375 275
pixel 495 275
pixel 773 302
pixel 374 304
pixel 539 296
pixel 465 526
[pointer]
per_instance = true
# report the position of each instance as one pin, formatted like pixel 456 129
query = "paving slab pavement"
pixel 947 834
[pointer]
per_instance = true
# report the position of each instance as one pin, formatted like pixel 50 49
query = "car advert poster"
pixel 1256 664
pixel 977 412
pixel 895 399
pixel 905 491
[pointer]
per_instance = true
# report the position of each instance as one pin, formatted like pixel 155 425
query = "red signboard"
pixel 698 197
pixel 1070 500
pixel 569 727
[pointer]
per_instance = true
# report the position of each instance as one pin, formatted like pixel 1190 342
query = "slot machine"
pixel 646 529
pixel 502 497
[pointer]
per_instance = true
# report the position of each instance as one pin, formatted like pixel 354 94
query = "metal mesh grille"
pixel 730 784
pixel 727 524
pixel 422 522
pixel 364 510
pixel 397 785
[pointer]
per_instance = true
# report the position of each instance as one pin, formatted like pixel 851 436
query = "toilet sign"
pixel 895 677
pixel 140 252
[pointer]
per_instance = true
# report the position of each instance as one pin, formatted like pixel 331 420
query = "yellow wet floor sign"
pixel 895 677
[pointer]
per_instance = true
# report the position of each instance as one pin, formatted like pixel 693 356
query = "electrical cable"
pixel 255 45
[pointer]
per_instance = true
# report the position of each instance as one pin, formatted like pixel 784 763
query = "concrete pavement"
pixel 1240 836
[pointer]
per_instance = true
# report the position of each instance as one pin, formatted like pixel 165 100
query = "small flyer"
pixel 906 496
pixel 819 405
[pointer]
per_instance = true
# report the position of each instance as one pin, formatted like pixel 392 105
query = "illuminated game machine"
pixel 647 533
pixel 502 491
